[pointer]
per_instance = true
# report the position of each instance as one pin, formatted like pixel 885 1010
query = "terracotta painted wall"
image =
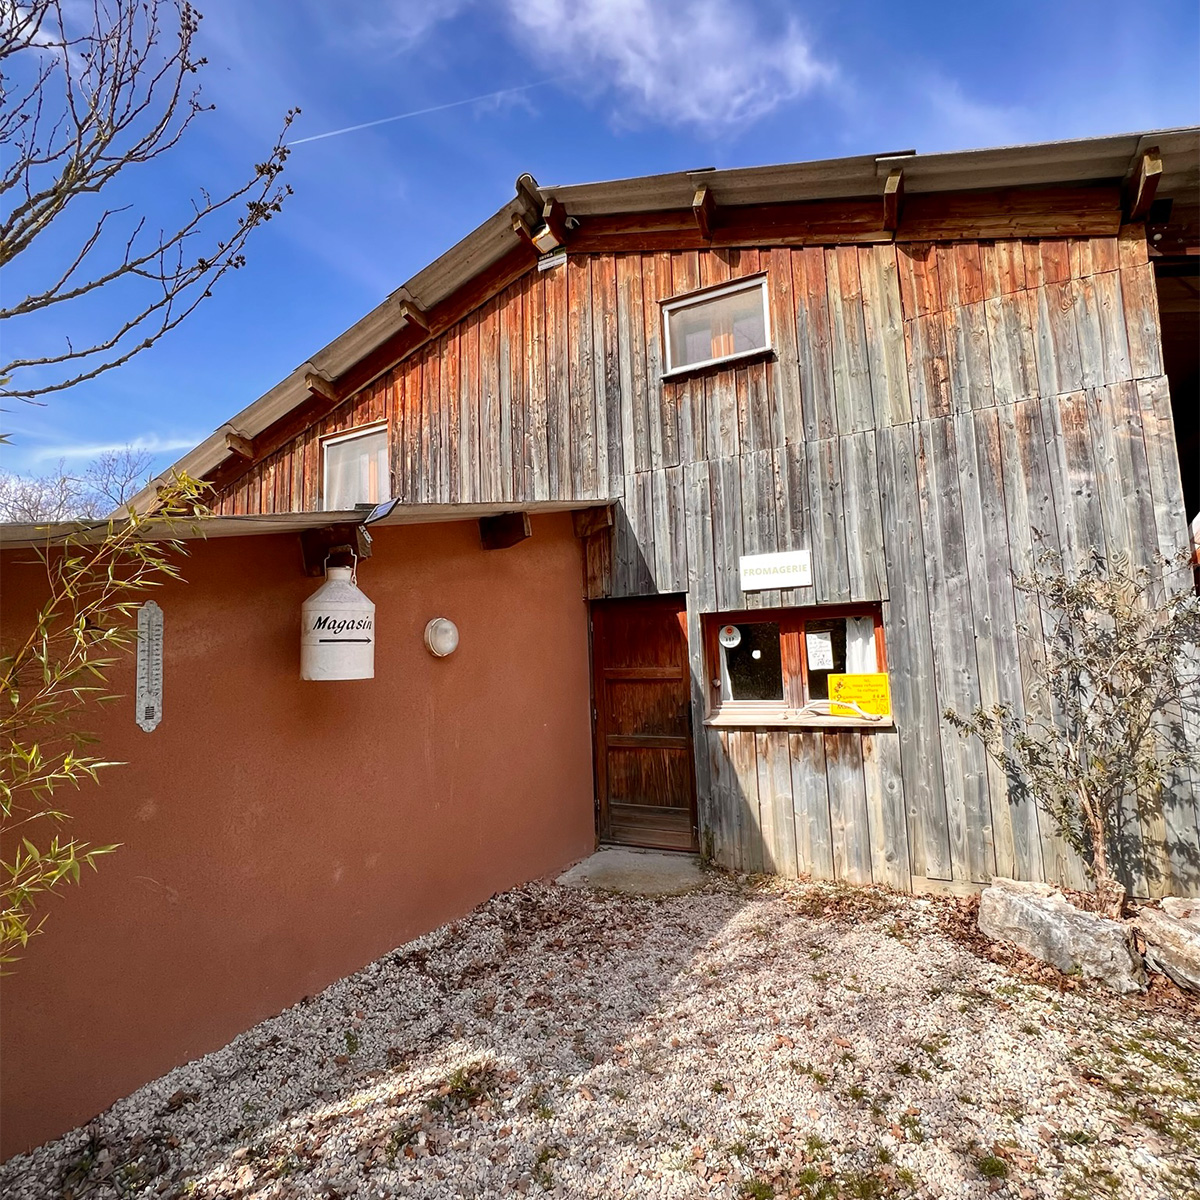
pixel 278 835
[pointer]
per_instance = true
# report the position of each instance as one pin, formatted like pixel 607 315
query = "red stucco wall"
pixel 278 835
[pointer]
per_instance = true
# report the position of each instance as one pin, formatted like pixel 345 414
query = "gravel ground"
pixel 751 1039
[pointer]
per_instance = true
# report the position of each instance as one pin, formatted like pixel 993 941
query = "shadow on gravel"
pixel 742 1041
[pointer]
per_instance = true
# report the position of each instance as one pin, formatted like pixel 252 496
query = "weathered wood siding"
pixel 932 416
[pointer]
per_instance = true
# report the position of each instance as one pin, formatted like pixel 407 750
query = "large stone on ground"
pixel 1172 946
pixel 1043 923
pixel 1182 908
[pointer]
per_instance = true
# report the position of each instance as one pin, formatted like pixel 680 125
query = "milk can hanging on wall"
pixel 337 638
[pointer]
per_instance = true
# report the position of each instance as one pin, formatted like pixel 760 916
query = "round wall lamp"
pixel 441 637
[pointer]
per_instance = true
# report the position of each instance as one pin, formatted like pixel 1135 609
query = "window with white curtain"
pixel 717 325
pixel 355 469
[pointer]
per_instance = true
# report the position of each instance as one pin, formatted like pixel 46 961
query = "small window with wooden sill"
pixel 798 667
pixel 718 325
pixel 355 469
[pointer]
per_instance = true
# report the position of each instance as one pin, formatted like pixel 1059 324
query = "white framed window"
pixel 716 325
pixel 354 468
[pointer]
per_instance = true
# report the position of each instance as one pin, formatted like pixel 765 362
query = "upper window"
pixel 780 665
pixel 717 325
pixel 356 469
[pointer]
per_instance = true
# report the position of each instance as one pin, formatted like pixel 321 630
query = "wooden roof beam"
pixel 1142 185
pixel 893 199
pixel 529 196
pixel 414 314
pixel 704 209
pixel 242 447
pixel 321 385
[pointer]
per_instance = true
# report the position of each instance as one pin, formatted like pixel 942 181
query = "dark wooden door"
pixel 644 769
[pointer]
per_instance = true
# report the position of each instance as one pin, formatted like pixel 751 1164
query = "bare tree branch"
pixel 80 103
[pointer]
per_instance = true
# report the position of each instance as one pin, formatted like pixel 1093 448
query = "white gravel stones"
pixel 1043 923
pixel 789 1039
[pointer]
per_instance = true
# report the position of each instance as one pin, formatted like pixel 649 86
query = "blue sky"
pixel 619 87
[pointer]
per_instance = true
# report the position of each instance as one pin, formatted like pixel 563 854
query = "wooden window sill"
pixel 712 365
pixel 784 720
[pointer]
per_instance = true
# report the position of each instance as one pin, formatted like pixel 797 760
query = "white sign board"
pixel 149 665
pixel 792 568
pixel 820 650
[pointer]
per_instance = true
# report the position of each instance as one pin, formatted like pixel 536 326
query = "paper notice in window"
pixel 820 650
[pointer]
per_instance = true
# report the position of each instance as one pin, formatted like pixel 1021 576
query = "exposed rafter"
pixel 321 385
pixel 704 209
pixel 413 314
pixel 1143 184
pixel 893 199
pixel 243 447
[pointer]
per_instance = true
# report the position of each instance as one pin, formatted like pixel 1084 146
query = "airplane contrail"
pixel 420 112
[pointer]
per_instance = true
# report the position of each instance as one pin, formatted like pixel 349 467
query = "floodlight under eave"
pixel 544 240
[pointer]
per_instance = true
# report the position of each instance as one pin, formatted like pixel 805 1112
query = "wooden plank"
pixel 632 340
pixel 726 801
pixel 727 532
pixel 884 788
pixel 706 817
pixel 509 356
pixel 537 452
pixel 831 572
pixel 652 291
pixel 910 654
pixel 775 802
pixel 955 675
pixel 792 511
pixel 814 343
pixel 787 418
pixel 920 282
pixel 1110 315
pixel 473 434
pixel 928 365
pixel 1140 192
pixel 1075 482
pixel 452 414
pixel 699 527
pixel 766 803
pixel 810 803
pixel 605 344
pixel 883 318
pixel 1003 267
pixel 1140 297
pixel 558 404
pixel 989 576
pixel 1011 347
pixel 865 555
pixel 743 758
pixel 759 518
pixel 1014 212
pixel 969 357
pixel 581 382
pixel 1032 523
pixel 851 369
pixel 848 807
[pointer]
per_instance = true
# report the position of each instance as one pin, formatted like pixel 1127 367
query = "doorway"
pixel 645 779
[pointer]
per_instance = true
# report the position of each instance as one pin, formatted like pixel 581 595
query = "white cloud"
pixel 151 443
pixel 960 123
pixel 707 63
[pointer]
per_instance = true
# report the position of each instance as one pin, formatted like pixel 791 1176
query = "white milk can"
pixel 337 630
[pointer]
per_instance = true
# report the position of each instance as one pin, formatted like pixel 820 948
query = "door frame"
pixel 607 605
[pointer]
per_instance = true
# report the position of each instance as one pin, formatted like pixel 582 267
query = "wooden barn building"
pixel 724 477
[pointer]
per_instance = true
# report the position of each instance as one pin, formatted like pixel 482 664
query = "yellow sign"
pixel 869 692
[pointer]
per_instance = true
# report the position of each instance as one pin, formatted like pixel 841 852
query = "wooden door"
pixel 643 736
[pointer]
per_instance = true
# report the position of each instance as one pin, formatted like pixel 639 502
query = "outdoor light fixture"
pixel 441 637
pixel 545 240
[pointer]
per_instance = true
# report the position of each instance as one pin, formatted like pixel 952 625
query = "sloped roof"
pixel 1080 161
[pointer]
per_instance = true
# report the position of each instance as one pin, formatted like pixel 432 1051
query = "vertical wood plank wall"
pixel 933 416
